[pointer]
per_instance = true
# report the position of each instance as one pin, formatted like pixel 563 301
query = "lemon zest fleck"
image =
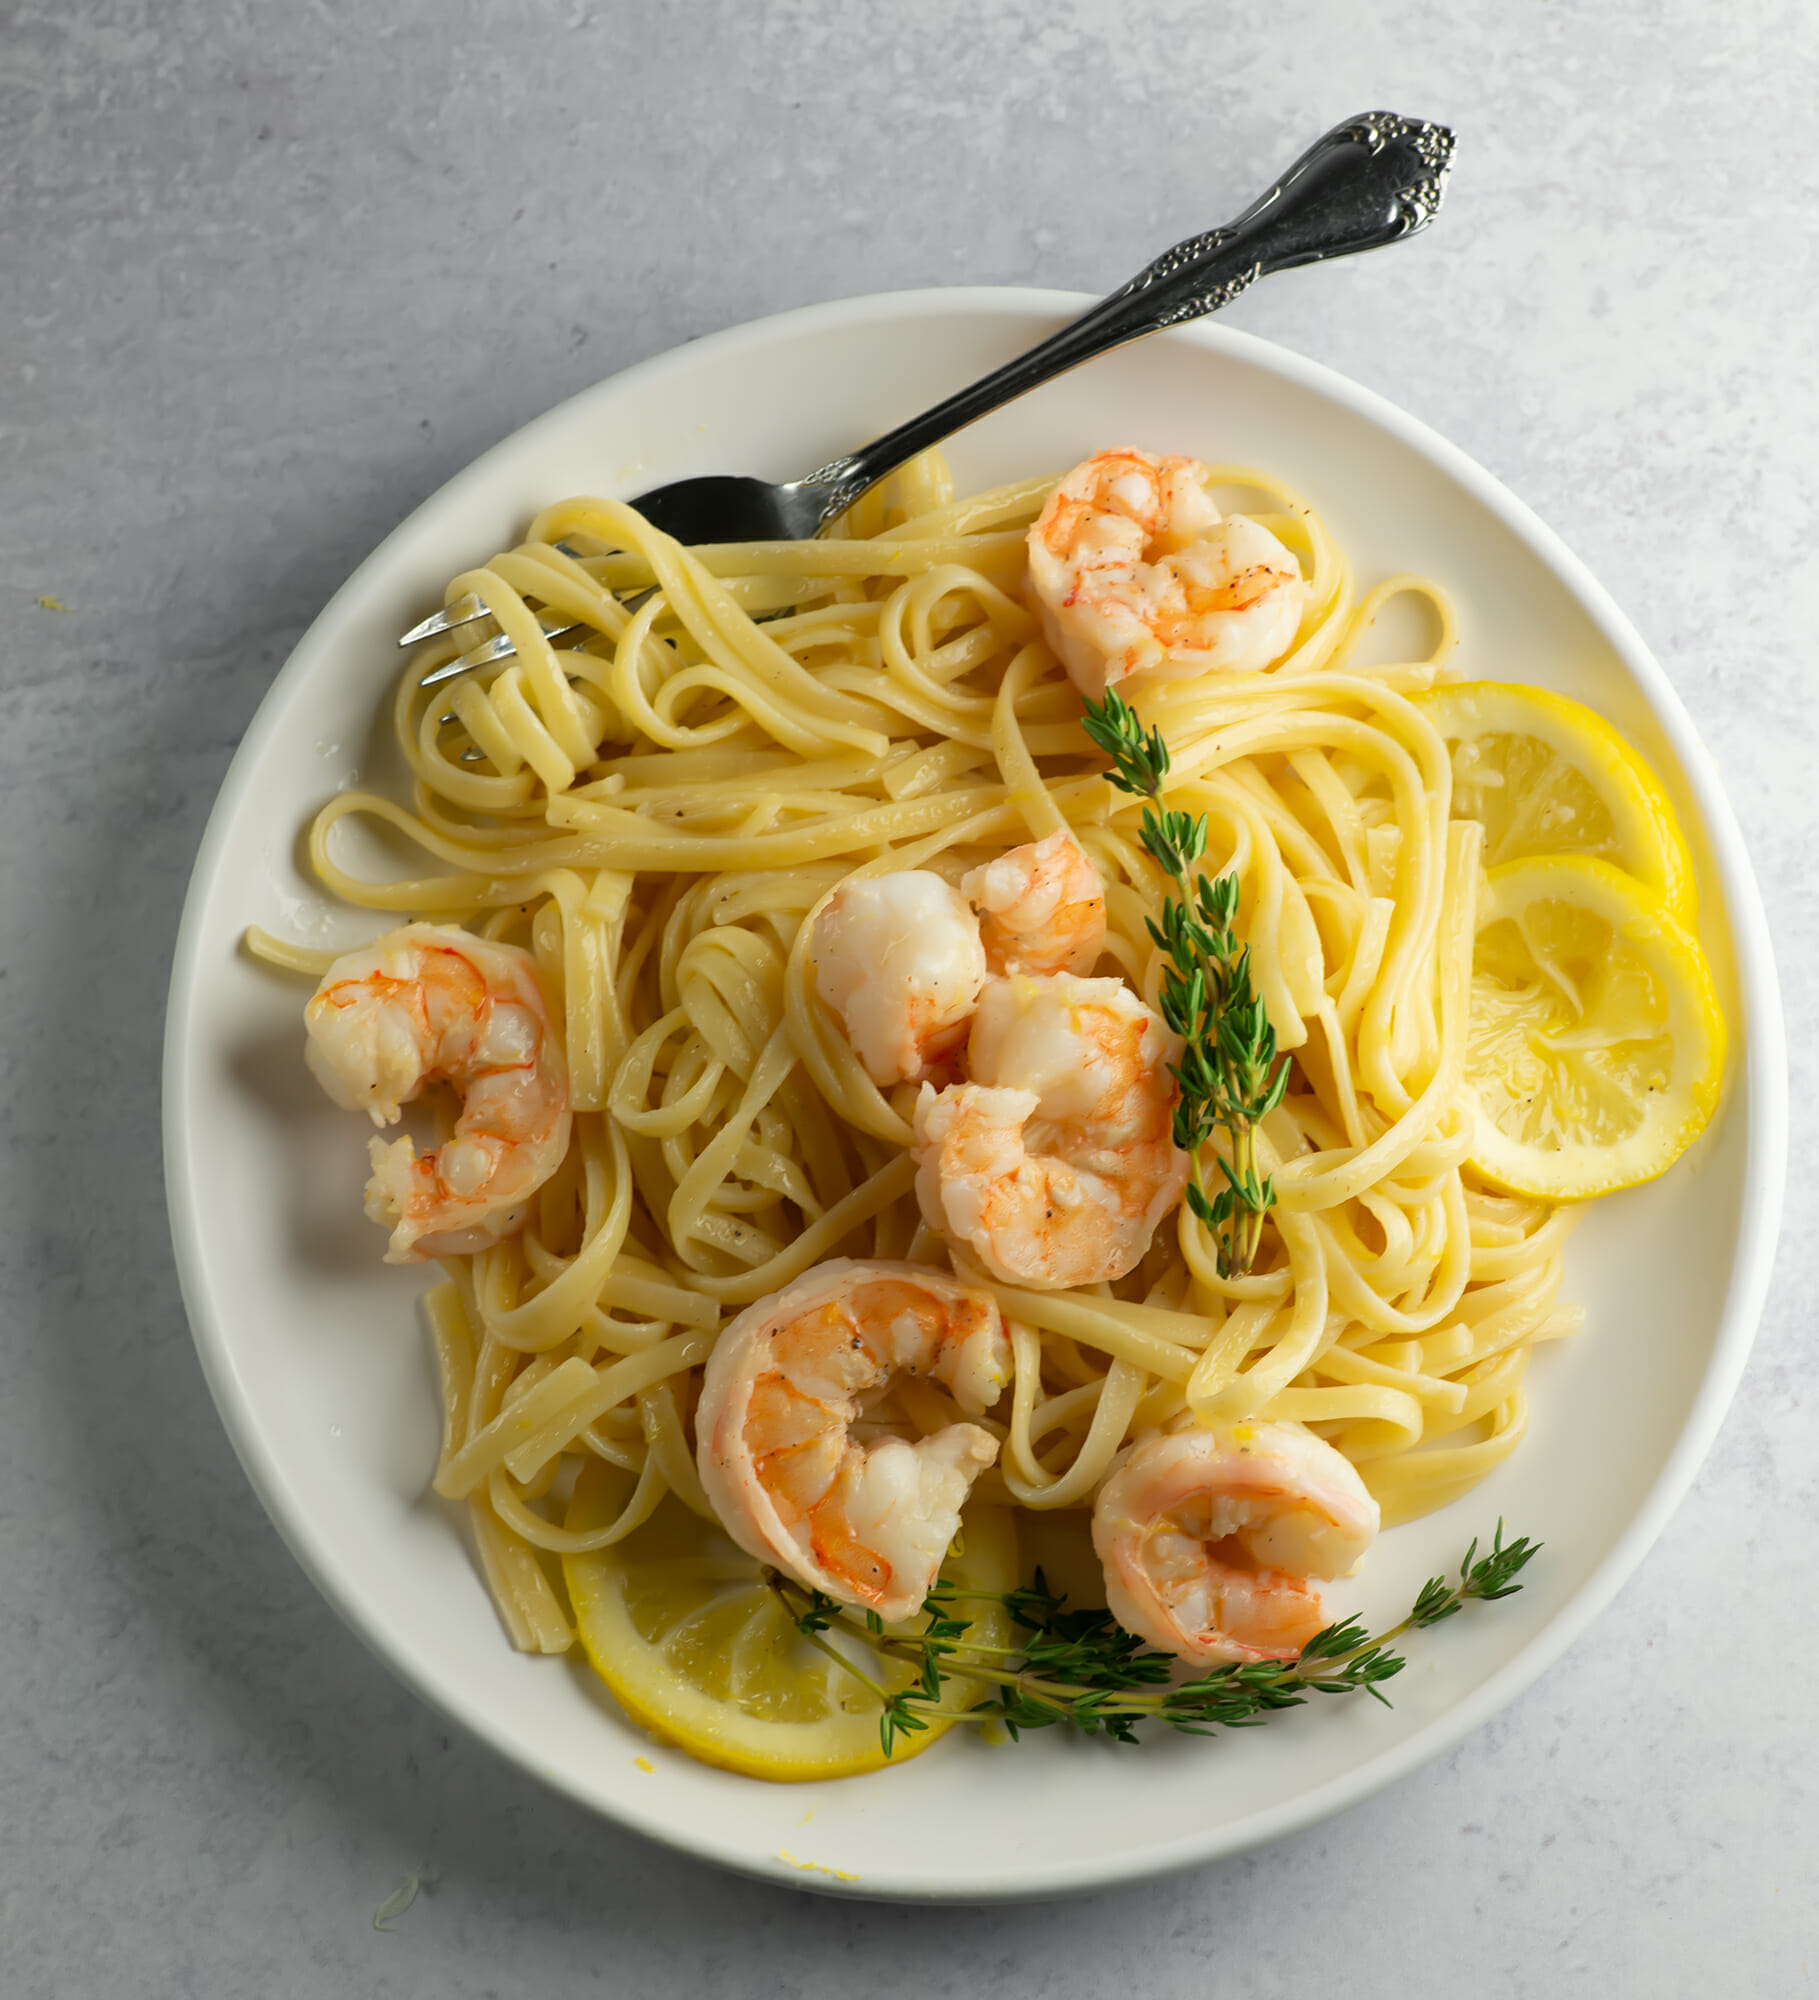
pixel 816 1867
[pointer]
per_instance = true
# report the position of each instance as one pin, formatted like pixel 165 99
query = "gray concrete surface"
pixel 268 275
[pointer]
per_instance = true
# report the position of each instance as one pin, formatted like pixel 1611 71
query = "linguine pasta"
pixel 656 806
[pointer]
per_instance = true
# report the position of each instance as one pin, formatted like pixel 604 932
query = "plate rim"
pixel 1761 1078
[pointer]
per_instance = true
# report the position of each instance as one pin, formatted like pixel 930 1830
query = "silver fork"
pixel 1370 181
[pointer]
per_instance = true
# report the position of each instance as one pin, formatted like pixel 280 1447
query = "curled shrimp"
pixel 1041 907
pixel 1054 1165
pixel 898 960
pixel 1134 570
pixel 426 1005
pixel 1208 1538
pixel 782 1423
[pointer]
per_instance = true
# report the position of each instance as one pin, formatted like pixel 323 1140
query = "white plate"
pixel 315 1354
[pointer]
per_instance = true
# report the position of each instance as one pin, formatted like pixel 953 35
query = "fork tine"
pixel 498 648
pixel 464 611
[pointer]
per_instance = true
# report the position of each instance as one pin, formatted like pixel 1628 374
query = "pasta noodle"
pixel 656 805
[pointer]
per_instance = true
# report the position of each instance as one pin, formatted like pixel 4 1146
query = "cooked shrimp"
pixel 1208 1538
pixel 1134 570
pixel 1042 908
pixel 898 959
pixel 866 1519
pixel 425 1005
pixel 1055 1164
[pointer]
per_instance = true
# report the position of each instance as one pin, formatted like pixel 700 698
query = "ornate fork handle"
pixel 1370 181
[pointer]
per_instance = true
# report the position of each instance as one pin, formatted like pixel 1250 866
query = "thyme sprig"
pixel 1081 1670
pixel 1230 1076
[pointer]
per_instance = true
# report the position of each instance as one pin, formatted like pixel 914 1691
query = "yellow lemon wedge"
pixel 679 1623
pixel 1544 775
pixel 1596 1046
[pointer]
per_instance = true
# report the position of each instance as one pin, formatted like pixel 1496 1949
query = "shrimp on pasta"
pixel 899 960
pixel 1208 1538
pixel 1136 571
pixel 1054 1165
pixel 793 1453
pixel 426 1005
pixel 1041 907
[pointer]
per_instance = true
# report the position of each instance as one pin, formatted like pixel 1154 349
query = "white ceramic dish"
pixel 313 1349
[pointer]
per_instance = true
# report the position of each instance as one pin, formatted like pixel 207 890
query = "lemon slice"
pixel 1596 1046
pixel 1546 776
pixel 677 1621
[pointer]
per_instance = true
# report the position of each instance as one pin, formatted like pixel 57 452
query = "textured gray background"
pixel 268 275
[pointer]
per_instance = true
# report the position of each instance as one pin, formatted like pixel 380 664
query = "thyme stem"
pixel 1081 1669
